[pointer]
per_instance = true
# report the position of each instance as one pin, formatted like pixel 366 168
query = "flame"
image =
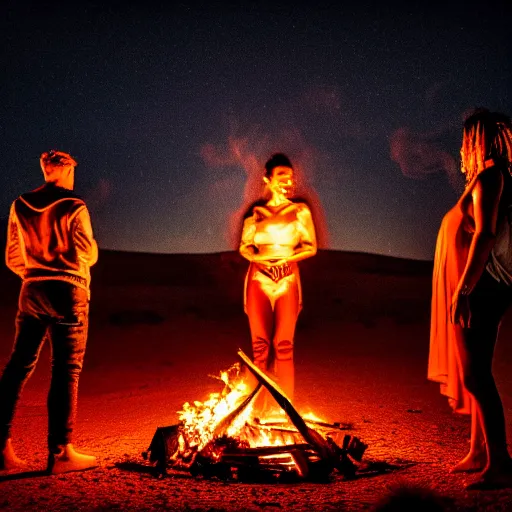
pixel 202 422
pixel 222 434
pixel 312 417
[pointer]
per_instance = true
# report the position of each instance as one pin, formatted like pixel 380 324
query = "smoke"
pixel 317 112
pixel 250 151
pixel 420 156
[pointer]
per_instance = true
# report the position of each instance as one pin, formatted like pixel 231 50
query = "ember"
pixel 222 438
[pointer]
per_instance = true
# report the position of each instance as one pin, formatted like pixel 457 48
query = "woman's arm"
pixel 247 248
pixel 308 245
pixel 486 196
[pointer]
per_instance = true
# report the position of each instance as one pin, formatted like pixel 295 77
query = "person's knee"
pixel 260 348
pixel 67 364
pixel 21 363
pixel 284 350
pixel 74 370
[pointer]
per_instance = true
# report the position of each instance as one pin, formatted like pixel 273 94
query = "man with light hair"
pixel 50 246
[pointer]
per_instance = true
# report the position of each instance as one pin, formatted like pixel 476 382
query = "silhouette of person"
pixel 50 245
pixel 277 233
pixel 472 288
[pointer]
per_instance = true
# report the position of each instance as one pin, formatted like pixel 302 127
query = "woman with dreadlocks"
pixel 278 232
pixel 472 288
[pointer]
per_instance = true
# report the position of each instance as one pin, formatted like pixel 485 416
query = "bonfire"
pixel 223 437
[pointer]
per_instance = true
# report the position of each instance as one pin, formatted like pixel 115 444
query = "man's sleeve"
pixel 13 251
pixel 85 245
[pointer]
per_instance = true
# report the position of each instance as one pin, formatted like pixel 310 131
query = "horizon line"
pixel 402 258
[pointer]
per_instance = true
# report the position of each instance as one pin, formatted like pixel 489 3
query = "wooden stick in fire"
pixel 221 427
pixel 310 436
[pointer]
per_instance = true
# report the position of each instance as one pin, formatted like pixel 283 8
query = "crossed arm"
pixel 306 248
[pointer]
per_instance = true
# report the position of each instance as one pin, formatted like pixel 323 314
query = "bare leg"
pixel 480 383
pixel 488 303
pixel 286 313
pixel 261 320
pixel 476 459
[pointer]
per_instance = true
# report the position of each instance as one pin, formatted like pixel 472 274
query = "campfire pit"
pixel 219 438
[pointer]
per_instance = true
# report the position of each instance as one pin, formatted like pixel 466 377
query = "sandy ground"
pixel 161 324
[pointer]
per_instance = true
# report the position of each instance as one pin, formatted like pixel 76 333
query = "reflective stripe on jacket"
pixel 50 237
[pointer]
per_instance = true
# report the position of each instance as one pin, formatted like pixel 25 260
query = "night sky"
pixel 172 109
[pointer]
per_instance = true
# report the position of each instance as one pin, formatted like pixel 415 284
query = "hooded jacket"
pixel 50 237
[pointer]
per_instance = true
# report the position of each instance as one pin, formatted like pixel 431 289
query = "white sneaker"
pixel 8 459
pixel 67 460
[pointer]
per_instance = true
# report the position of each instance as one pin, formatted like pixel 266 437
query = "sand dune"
pixel 160 324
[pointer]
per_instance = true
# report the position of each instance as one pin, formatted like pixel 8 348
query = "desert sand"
pixel 160 324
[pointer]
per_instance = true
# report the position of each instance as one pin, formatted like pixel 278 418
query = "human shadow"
pixel 23 475
pixel 250 474
pixel 137 467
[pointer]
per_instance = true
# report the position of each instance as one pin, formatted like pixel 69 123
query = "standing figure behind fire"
pixel 472 288
pixel 50 246
pixel 277 233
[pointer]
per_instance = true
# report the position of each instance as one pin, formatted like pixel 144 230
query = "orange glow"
pixel 223 436
pixel 201 419
pixel 280 234
pixel 203 422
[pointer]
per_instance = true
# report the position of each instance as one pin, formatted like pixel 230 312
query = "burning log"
pixel 311 436
pixel 233 448
pixel 327 449
pixel 221 427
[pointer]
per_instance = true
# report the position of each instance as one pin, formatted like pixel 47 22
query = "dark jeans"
pixel 56 310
